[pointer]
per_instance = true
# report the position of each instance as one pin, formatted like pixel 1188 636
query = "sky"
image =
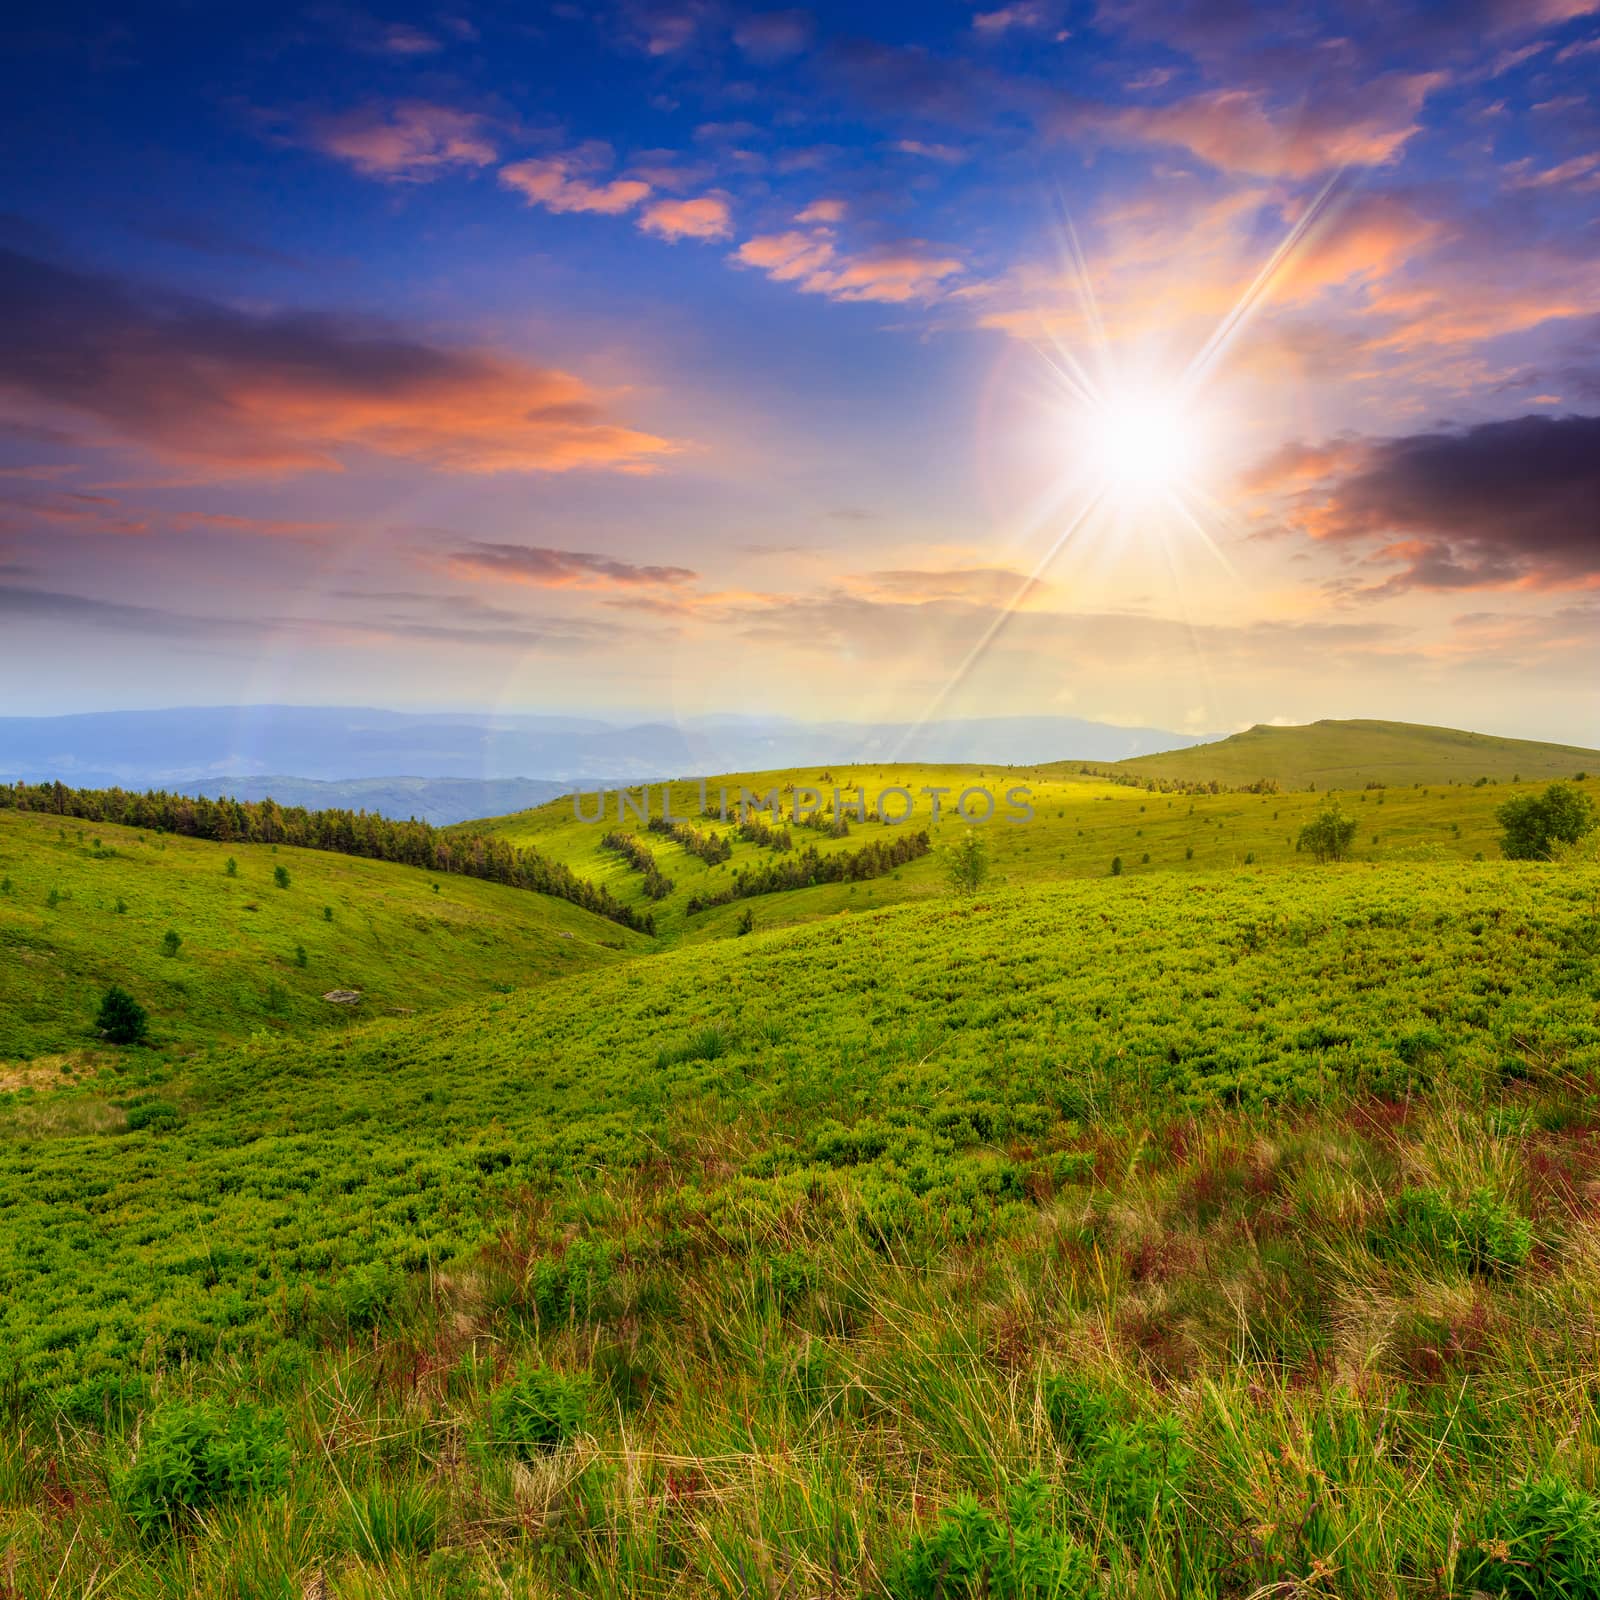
pixel 1189 364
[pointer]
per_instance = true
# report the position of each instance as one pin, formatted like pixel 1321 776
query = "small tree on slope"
pixel 1329 834
pixel 122 1019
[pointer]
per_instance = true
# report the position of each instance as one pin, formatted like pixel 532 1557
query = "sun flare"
pixel 1142 444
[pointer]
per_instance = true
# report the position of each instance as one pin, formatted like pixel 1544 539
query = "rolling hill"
pixel 1224 1225
pixel 1081 825
pixel 1349 755
pixel 84 905
pixel 1091 1201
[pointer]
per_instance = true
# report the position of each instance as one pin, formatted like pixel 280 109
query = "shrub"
pixel 299 955
pixel 327 913
pixel 1542 1539
pixel 280 876
pixel 171 942
pixel 1116 866
pixel 1481 1232
pixel 971 1552
pixel 1531 824
pixel 1329 834
pixel 538 1412
pixel 967 865
pixel 193 1455
pixel 746 923
pixel 122 1019
pixel 232 868
pixel 159 1115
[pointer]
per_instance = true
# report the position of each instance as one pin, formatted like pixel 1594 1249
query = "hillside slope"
pixel 1351 754
pixel 1080 826
pixel 1149 1212
pixel 374 926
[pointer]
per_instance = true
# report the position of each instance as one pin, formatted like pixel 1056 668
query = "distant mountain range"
pixel 222 746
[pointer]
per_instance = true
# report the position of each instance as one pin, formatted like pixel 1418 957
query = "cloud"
pixel 1240 130
pixel 990 24
pixel 559 569
pixel 771 36
pixel 891 274
pixel 289 391
pixel 1498 504
pixel 562 183
pixel 706 217
pixel 823 211
pixel 409 142
pixel 947 153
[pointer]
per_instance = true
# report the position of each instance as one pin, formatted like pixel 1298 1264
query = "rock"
pixel 342 997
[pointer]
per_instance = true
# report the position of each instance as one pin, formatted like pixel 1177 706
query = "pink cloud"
pixel 893 274
pixel 1238 131
pixel 411 141
pixel 706 217
pixel 823 211
pixel 558 183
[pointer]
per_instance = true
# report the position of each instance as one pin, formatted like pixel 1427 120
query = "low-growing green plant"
pixel 1540 1541
pixel 972 1553
pixel 280 876
pixel 193 1455
pixel 171 942
pixel 538 1412
pixel 1479 1231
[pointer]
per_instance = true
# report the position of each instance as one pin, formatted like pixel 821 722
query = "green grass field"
pixel 390 935
pixel 1080 826
pixel 1227 1227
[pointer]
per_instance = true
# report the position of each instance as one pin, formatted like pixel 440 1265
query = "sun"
pixel 1142 444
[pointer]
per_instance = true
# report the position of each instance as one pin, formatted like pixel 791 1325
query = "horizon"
pixel 1119 362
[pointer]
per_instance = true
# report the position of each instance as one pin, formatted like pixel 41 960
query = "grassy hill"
pixel 88 904
pixel 1080 826
pixel 1349 755
pixel 1181 1233
pixel 1225 1226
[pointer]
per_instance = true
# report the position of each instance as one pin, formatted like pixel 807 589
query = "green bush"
pixel 972 1552
pixel 171 942
pixel 160 1115
pixel 1480 1232
pixel 1532 824
pixel 193 1455
pixel 1540 1541
pixel 122 1019
pixel 540 1411
pixel 1329 834
pixel 967 864
pixel 280 876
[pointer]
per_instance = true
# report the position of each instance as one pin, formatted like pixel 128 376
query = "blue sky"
pixel 1185 364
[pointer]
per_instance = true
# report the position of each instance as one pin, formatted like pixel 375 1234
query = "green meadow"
pixel 90 904
pixel 1227 1225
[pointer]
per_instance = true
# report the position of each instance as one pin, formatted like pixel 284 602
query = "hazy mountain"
pixel 223 746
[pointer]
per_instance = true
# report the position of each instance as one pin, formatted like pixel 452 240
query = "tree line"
pixel 810 866
pixel 656 884
pixel 710 847
pixel 352 833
